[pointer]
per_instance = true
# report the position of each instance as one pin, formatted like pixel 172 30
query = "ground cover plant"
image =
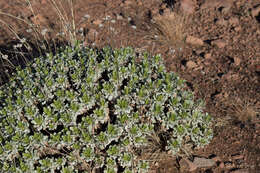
pixel 84 109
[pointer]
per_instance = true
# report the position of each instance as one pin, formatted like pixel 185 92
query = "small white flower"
pixel 107 17
pixel 113 21
pixel 44 31
pixel 60 34
pixel 129 18
pixel 5 56
pixel 133 26
pixel 29 30
pixel 86 16
pixel 172 50
pixel 23 40
pixel 100 25
pixel 112 29
pixel 19 45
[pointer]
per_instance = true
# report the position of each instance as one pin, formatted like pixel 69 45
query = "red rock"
pixel 237 61
pixel 97 22
pixel 238 28
pixel 208 55
pixel 216 159
pixel 234 21
pixel 128 2
pixel 39 20
pixel 191 64
pixel 92 34
pixel 216 3
pixel 238 157
pixel 222 165
pixel 188 165
pixel 185 165
pixel 221 22
pixel 188 6
pixel 203 162
pixel 240 171
pixel 194 41
pixel 219 43
pixel 255 11
pixel 43 1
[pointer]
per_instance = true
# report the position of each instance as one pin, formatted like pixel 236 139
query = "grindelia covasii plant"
pixel 85 109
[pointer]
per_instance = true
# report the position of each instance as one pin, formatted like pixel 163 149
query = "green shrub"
pixel 84 108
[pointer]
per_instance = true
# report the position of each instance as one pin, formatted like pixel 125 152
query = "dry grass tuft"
pixel 169 29
pixel 40 37
pixel 244 110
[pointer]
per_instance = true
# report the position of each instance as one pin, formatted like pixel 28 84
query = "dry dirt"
pixel 213 44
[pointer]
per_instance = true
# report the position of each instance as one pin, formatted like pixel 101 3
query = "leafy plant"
pixel 85 109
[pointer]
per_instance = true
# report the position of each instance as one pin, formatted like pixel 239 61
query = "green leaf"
pixel 23 166
pixel 16 137
pixel 184 115
pixel 180 129
pixel 134 130
pixel 74 106
pixel 26 140
pixel 19 101
pixel 47 111
pixel 27 155
pixel 70 95
pixel 60 93
pixel 1 150
pixel 102 137
pixel 55 137
pixel 88 153
pixel 124 118
pixel 57 104
pixel 126 142
pixel 143 165
pixel 111 162
pixel 140 140
pixel 174 143
pixel 49 83
pixel 113 150
pixel 86 137
pixel 112 130
pixel 127 157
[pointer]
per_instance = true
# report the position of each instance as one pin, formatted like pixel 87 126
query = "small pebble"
pixel 86 16
pixel 113 21
pixel 29 30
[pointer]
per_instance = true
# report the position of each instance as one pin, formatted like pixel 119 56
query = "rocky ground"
pixel 213 44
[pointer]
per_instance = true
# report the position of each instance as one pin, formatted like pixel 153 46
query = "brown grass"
pixel 42 38
pixel 244 110
pixel 169 29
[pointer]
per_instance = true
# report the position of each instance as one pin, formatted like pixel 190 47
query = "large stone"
pixel 188 6
pixel 203 162
pixel 39 20
pixel 97 22
pixel 219 43
pixel 191 64
pixel 256 11
pixel 194 41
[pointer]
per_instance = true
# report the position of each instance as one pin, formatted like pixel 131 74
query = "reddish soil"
pixel 213 44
